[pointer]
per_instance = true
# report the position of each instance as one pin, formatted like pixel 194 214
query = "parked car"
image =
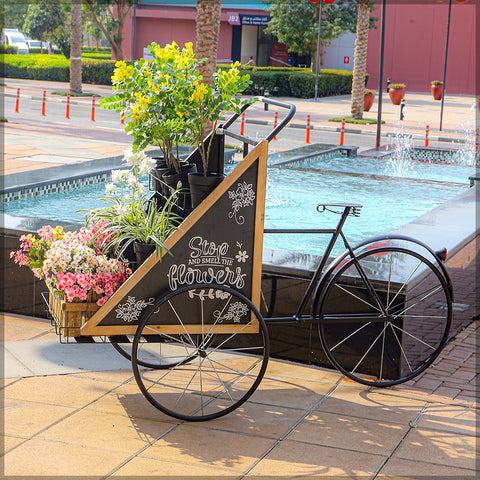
pixel 11 36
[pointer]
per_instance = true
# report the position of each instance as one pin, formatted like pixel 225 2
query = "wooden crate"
pixel 71 316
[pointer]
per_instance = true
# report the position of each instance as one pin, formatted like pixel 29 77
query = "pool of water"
pixel 292 196
pixel 391 167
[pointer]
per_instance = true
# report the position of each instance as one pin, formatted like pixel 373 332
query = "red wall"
pixel 415 36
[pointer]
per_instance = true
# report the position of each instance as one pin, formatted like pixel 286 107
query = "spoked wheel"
pixel 384 320
pixel 220 343
pixel 154 351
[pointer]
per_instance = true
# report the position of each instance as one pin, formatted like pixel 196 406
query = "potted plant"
pixel 368 100
pixel 436 89
pixel 77 267
pixel 132 217
pixel 169 105
pixel 396 92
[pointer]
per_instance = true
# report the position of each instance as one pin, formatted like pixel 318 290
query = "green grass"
pixel 83 94
pixel 3 119
pixel 362 121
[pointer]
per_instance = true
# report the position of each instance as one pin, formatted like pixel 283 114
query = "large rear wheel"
pixel 220 343
pixel 384 316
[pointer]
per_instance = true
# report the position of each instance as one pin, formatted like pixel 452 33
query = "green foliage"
pixel 98 72
pixel 295 23
pixel 167 101
pixel 437 82
pixel 361 121
pixel 14 13
pixel 54 67
pixel 330 82
pixel 396 86
pixel 43 17
pixel 8 49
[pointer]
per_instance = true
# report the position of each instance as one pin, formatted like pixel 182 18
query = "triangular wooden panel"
pixel 220 242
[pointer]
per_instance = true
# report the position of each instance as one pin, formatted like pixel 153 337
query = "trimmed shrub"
pixel 8 49
pixel 98 72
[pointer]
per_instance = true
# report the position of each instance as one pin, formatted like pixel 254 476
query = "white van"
pixel 11 36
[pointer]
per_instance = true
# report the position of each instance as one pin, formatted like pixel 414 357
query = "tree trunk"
pixel 360 59
pixel 76 47
pixel 207 26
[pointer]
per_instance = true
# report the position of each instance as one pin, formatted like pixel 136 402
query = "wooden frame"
pixel 231 216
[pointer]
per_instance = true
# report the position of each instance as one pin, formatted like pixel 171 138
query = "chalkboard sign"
pixel 220 242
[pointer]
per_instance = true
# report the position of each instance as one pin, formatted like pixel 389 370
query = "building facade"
pixel 414 47
pixel 241 30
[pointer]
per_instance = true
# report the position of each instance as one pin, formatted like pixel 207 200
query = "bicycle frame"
pixel 335 234
pixel 317 283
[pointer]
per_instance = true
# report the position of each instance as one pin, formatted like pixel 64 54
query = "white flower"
pixel 132 180
pixel 121 210
pixel 129 157
pixel 110 187
pixel 118 176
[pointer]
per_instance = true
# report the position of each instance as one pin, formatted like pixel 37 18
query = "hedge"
pixel 55 67
pixel 8 49
pixel 279 81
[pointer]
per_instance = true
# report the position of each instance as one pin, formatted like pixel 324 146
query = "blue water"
pixel 292 197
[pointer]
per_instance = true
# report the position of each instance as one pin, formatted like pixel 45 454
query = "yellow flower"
pixel 199 93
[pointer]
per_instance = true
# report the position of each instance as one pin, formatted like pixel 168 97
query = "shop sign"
pixel 233 18
pixel 258 20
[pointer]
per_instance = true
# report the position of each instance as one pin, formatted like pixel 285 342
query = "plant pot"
pixel 436 91
pixel 142 251
pixel 368 102
pixel 175 180
pixel 396 95
pixel 202 185
pixel 157 172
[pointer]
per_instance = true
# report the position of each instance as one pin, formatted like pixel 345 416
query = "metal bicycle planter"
pixel 191 323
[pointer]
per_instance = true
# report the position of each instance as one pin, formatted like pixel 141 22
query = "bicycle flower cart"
pixel 191 324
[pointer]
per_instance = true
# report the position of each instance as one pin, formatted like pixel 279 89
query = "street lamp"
pixel 317 66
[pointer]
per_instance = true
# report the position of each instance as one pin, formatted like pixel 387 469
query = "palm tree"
pixel 76 47
pixel 207 24
pixel 360 58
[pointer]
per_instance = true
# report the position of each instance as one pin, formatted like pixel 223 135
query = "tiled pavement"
pixel 303 422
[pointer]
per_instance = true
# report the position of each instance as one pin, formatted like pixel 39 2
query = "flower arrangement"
pixel 130 215
pixel 73 264
pixel 167 102
pixel 369 92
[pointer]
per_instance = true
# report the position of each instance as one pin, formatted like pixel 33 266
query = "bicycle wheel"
pixel 221 345
pixel 384 316
pixel 153 351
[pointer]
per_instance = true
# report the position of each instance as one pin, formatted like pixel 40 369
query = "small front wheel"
pixel 384 316
pixel 220 345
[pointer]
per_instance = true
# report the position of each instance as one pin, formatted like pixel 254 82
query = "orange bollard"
pixel 122 116
pixel 307 134
pixel 242 124
pixel 67 110
pixel 427 131
pixel 92 118
pixel 342 132
pixel 17 102
pixel 275 124
pixel 43 102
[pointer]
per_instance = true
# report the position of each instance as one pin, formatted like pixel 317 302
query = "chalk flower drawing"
pixel 243 196
pixel 235 312
pixel 241 256
pixel 132 308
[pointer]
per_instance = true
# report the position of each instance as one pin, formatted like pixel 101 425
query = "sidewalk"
pixel 75 410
